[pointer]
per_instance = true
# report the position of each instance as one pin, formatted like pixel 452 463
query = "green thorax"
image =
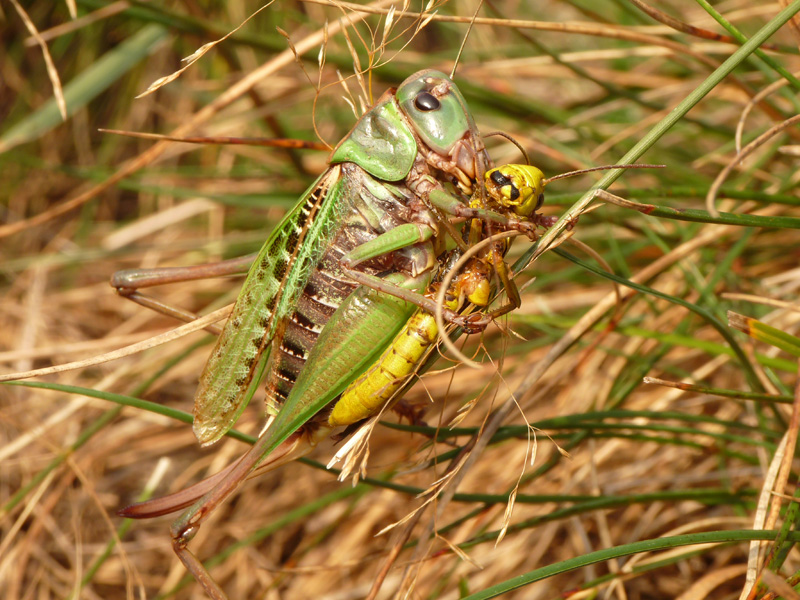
pixel 381 143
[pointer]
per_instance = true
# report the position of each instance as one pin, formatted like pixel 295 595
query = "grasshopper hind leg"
pixel 188 524
pixel 128 282
pixel 196 568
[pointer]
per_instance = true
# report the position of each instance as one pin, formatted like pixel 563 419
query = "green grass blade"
pixel 714 537
pixel 682 109
pixel 86 86
pixel 765 333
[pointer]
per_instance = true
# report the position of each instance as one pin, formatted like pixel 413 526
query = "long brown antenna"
pixel 603 168
pixel 464 41
pixel 513 141
pixel 242 141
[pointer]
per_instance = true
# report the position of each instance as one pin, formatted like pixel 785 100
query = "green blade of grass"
pixel 713 537
pixel 765 333
pixel 677 113
pixel 86 86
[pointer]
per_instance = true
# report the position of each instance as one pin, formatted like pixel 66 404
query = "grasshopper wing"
pixel 276 278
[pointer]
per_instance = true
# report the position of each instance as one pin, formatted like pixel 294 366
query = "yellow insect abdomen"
pixel 367 394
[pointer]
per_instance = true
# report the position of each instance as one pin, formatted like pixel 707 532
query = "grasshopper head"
pixel 440 117
pixel 520 187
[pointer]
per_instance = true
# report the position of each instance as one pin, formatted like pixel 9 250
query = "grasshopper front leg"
pixel 452 206
pixel 396 239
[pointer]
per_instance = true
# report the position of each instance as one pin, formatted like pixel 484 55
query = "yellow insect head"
pixel 519 187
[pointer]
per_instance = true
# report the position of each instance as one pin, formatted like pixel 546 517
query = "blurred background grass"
pixel 578 84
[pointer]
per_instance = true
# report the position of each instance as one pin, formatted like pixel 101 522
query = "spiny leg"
pixel 135 279
pixel 453 206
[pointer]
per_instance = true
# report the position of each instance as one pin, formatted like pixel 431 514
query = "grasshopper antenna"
pixel 244 141
pixel 503 134
pixel 603 168
pixel 464 41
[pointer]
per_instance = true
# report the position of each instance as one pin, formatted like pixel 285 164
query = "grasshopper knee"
pixel 128 281
pixel 182 534
pixel 125 281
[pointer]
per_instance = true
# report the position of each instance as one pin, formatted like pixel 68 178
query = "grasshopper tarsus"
pixel 474 323
pixel 546 221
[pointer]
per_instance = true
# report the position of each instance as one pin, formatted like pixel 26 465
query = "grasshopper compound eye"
pixel 437 111
pixel 426 102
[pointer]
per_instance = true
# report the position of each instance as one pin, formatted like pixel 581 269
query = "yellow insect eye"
pixel 498 178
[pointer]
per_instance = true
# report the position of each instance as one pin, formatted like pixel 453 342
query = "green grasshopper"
pixel 334 283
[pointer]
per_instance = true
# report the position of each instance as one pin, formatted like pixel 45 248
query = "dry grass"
pixel 645 461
